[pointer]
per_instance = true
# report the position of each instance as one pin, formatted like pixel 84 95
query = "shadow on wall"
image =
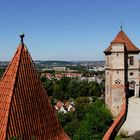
pixel 130 93
pixel 136 135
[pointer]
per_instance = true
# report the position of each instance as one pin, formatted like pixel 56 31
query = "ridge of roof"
pixel 6 102
pixel 25 109
pixel 122 38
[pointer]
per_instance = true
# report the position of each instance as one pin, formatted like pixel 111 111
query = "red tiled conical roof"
pixel 123 38
pixel 25 109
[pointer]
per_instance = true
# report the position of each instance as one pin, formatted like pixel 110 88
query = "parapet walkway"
pixel 132 123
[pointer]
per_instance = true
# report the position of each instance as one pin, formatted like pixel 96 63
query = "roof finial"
pixel 121 26
pixel 22 36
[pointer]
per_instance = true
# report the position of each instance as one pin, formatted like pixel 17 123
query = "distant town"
pixel 85 70
pixel 66 65
pixel 53 63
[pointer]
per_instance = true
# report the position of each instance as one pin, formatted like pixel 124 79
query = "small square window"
pixel 131 60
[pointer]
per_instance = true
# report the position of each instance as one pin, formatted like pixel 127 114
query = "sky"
pixel 66 29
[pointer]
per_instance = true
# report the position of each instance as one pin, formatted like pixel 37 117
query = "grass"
pixel 118 137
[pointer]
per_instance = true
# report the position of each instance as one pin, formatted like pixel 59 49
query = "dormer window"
pixel 131 60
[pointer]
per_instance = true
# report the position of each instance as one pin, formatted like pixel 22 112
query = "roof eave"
pixel 134 51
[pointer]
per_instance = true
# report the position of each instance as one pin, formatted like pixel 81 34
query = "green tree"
pixel 81 107
pixel 72 92
pixel 64 118
pixel 71 127
pixel 95 123
pixel 64 82
pixel 1 71
pixel 94 89
pixel 48 85
pixel 90 121
pixel 57 92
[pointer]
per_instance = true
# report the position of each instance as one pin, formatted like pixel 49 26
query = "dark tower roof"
pixel 123 38
pixel 25 109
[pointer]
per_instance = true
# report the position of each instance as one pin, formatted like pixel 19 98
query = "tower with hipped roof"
pixel 25 109
pixel 121 68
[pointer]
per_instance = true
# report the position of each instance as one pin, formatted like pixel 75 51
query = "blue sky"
pixel 66 29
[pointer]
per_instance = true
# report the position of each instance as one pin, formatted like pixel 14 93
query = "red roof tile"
pixel 123 38
pixel 25 109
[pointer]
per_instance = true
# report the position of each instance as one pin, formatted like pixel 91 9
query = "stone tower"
pixel 122 68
